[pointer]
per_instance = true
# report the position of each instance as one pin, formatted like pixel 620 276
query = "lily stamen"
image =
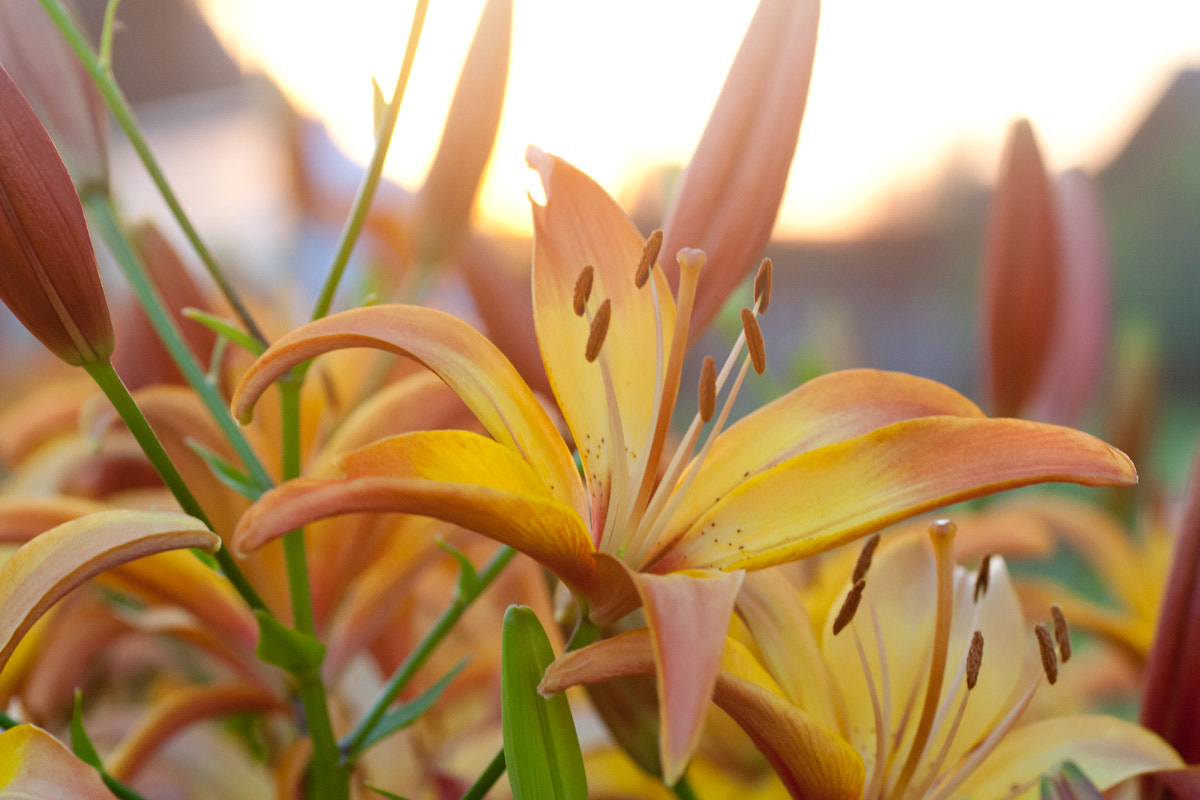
pixel 598 330
pixel 973 662
pixel 864 558
pixel 649 257
pixel 981 578
pixel 1046 650
pixel 754 340
pixel 707 392
pixel 762 286
pixel 583 289
pixel 1062 633
pixel 849 606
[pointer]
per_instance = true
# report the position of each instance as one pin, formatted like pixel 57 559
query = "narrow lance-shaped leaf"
pixel 540 745
pixel 45 569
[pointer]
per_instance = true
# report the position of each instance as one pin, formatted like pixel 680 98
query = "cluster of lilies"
pixel 244 558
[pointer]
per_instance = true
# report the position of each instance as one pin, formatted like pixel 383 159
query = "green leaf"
pixel 385 793
pixel 227 473
pixel 468 580
pixel 290 650
pixel 81 744
pixel 406 714
pixel 1068 782
pixel 540 745
pixel 226 329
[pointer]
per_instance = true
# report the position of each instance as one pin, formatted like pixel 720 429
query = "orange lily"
pixel 834 459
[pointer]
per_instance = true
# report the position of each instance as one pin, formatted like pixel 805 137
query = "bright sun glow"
pixel 899 89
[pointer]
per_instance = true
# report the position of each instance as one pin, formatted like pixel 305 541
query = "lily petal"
pixel 1107 749
pixel 832 495
pixel 688 616
pixel 456 352
pixel 456 476
pixel 727 201
pixel 48 567
pixel 581 225
pixel 35 764
pixel 832 408
pixel 812 760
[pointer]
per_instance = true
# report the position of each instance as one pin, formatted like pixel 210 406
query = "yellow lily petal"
pixel 837 493
pixel 812 760
pixel 456 352
pixel 456 476
pixel 1107 749
pixel 178 710
pixel 33 764
pixel 825 410
pixel 580 225
pixel 688 616
pixel 49 566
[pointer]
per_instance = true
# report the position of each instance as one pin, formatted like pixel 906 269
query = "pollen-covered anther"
pixel 1046 648
pixel 754 341
pixel 1062 633
pixel 599 330
pixel 849 606
pixel 864 559
pixel 708 389
pixel 762 285
pixel 981 577
pixel 583 289
pixel 649 257
pixel 974 659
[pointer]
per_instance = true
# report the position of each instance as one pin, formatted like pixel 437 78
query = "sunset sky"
pixel 899 89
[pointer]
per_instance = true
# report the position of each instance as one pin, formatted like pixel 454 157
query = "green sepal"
pixel 541 749
pixel 226 329
pixel 468 580
pixel 226 472
pixel 407 713
pixel 81 743
pixel 295 652
pixel 384 792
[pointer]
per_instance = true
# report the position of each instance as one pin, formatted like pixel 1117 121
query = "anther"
pixel 708 389
pixel 599 330
pixel 849 606
pixel 762 285
pixel 1046 648
pixel 583 289
pixel 1062 634
pixel 864 559
pixel 974 659
pixel 981 578
pixel 754 341
pixel 649 256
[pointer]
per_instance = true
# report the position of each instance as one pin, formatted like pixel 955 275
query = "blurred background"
pixel 879 245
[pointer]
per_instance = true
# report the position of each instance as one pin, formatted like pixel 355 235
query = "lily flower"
pixel 923 672
pixel 836 458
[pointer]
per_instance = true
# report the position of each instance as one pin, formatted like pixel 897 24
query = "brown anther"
pixel 974 659
pixel 1046 647
pixel 599 330
pixel 981 578
pixel 849 606
pixel 762 285
pixel 708 389
pixel 754 341
pixel 1062 634
pixel 649 256
pixel 583 289
pixel 864 559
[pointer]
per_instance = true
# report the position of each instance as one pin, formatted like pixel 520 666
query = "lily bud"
pixel 1022 275
pixel 445 201
pixel 727 201
pixel 48 274
pixel 58 88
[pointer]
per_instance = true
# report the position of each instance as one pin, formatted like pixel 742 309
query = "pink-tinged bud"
pixel 58 88
pixel 1021 280
pixel 727 201
pixel 1082 328
pixel 48 274
pixel 1172 676
pixel 445 200
pixel 141 359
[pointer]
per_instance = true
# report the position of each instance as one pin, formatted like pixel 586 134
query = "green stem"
pixel 103 216
pixel 110 383
pixel 330 778
pixel 294 553
pixel 366 191
pixel 7 722
pixel 119 106
pixel 683 790
pixel 352 744
pixel 488 779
